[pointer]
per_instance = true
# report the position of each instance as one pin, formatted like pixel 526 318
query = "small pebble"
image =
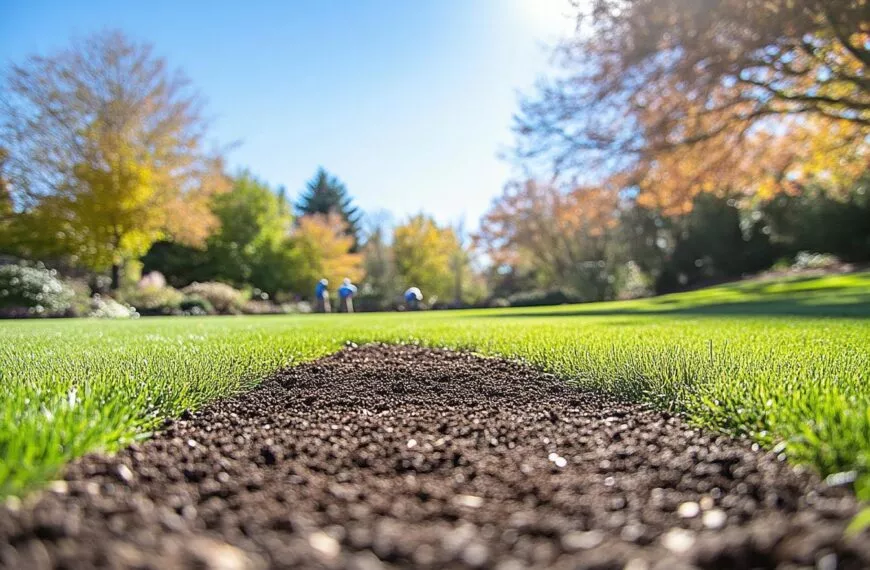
pixel 678 540
pixel 580 540
pixel 632 532
pixel 475 555
pixel 324 544
pixel 714 519
pixel 689 510
pixel 124 473
pixel 12 503
pixel 59 487
pixel 469 501
pixel 636 564
pixel 827 562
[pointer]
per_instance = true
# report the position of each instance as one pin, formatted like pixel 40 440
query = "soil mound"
pixel 381 456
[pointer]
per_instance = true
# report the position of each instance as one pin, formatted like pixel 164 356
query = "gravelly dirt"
pixel 402 456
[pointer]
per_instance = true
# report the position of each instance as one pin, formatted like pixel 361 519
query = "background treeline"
pixel 681 143
pixel 696 141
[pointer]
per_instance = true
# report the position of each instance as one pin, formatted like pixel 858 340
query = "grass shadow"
pixel 848 306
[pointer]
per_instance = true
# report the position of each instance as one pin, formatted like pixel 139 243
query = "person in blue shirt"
pixel 321 296
pixel 345 296
pixel 413 296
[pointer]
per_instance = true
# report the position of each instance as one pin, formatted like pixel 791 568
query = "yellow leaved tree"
pixel 425 255
pixel 324 247
pixel 106 154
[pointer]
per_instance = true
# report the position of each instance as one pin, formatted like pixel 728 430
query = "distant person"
pixel 321 296
pixel 413 296
pixel 345 296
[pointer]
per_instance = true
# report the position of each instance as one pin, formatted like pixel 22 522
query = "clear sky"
pixel 407 101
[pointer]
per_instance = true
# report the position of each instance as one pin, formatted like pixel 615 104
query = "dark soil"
pixel 402 456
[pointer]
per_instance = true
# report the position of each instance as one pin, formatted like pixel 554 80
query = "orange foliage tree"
pixel 325 248
pixel 689 96
pixel 566 236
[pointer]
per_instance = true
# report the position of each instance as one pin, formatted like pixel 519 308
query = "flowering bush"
pixel 153 280
pixel 108 308
pixel 809 260
pixel 32 291
pixel 153 299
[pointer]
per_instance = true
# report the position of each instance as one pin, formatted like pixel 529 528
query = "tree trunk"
pixel 116 276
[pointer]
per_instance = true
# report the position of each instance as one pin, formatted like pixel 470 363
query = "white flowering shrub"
pixel 32 291
pixel 810 260
pixel 108 308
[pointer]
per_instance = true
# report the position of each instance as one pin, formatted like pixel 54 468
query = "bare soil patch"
pixel 409 457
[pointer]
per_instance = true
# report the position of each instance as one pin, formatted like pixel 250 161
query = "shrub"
pixel 221 296
pixel 635 284
pixel 32 291
pixel 809 260
pixel 255 307
pixel 154 279
pixel 108 308
pixel 195 305
pixel 540 297
pixel 499 302
pixel 153 300
pixel 80 304
pixel 300 307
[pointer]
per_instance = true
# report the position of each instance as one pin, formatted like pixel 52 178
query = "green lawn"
pixel 786 362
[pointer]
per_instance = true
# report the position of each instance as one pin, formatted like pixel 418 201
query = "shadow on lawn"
pixel 846 306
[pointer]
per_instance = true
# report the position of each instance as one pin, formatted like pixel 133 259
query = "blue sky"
pixel 407 101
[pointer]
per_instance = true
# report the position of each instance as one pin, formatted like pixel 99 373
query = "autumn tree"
pixel 324 249
pixel 425 253
pixel 325 194
pixel 565 236
pixel 107 152
pixel 689 96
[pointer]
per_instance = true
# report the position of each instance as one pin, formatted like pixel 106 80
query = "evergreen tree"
pixel 325 194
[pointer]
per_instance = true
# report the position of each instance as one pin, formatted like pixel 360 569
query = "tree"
pixel 106 152
pixel 424 253
pixel 813 221
pixel 325 251
pixel 566 237
pixel 325 194
pixel 689 96
pixel 252 246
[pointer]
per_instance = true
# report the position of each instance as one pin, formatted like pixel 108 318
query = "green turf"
pixel 784 362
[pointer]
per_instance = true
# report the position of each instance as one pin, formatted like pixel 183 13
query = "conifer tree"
pixel 325 194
